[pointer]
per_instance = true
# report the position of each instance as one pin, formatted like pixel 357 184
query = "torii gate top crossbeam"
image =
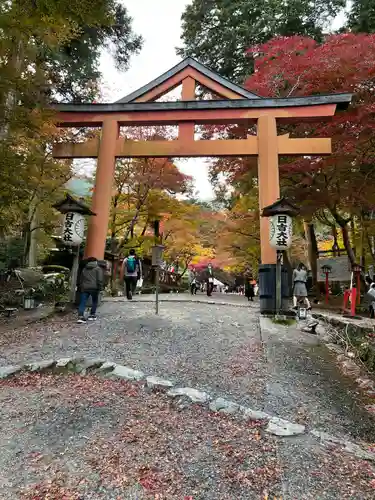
pixel 208 112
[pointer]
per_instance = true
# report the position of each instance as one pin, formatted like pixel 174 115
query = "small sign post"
pixel 157 254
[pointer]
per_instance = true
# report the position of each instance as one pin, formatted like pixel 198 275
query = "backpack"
pixel 131 265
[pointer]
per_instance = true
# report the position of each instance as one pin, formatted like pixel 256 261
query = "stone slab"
pixel 63 362
pixel 249 414
pixel 127 373
pixel 281 427
pixel 43 364
pixel 107 366
pixel 158 383
pixel 224 406
pixel 193 394
pixel 7 371
pixel 87 364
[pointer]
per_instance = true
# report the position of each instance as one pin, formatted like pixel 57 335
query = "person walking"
pixel 249 288
pixel 209 279
pixel 132 272
pixel 193 283
pixel 90 285
pixel 299 286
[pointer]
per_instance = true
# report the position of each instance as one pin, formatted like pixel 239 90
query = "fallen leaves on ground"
pixel 341 474
pixel 119 436
pixel 91 437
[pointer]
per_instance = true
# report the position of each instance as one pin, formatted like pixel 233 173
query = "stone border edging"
pixel 342 322
pixel 275 425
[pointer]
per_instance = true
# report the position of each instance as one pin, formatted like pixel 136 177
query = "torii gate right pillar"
pixel 268 180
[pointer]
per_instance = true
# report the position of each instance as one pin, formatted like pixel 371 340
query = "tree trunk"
pixel 336 248
pixel 312 250
pixel 347 244
pixel 353 238
pixel 33 247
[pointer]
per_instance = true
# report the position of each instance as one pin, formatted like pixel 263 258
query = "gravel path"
pixel 211 347
pixel 218 349
pixel 87 438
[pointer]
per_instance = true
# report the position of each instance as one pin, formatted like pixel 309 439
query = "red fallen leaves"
pixel 150 479
pixel 51 490
pixel 74 385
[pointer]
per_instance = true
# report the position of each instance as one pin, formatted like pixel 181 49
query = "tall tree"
pixel 48 50
pixel 219 32
pixel 362 16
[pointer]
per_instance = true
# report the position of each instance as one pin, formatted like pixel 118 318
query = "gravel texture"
pixel 74 437
pixel 304 384
pixel 90 438
pixel 213 348
pixel 218 349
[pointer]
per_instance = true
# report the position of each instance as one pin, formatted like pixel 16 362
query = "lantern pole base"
pixel 74 275
pixel 267 290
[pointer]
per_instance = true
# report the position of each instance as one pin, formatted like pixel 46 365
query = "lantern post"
pixel 280 216
pixel 356 269
pixel 326 269
pixel 73 232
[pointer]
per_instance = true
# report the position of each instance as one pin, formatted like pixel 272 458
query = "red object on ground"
pixel 352 295
pixel 353 301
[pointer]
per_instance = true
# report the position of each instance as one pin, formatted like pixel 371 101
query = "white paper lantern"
pixel 281 231
pixel 74 229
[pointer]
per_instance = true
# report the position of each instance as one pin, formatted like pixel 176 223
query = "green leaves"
pixel 219 32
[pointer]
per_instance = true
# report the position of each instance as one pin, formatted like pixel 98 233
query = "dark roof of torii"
pixel 193 63
pixel 248 100
pixel 342 101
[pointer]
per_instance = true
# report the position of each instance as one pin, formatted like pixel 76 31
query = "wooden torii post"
pixel 234 105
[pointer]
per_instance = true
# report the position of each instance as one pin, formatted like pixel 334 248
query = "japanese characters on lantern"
pixel 74 229
pixel 281 231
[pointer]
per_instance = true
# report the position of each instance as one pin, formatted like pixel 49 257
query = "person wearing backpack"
pixel 132 272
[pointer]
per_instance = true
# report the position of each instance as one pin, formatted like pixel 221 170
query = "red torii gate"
pixel 235 105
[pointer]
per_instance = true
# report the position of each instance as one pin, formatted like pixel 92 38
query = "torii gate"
pixel 236 105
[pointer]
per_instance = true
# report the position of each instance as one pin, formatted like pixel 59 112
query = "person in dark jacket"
pixel 90 284
pixel 209 279
pixel 249 287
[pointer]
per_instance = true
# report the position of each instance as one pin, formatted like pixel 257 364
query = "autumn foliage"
pixel 339 187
